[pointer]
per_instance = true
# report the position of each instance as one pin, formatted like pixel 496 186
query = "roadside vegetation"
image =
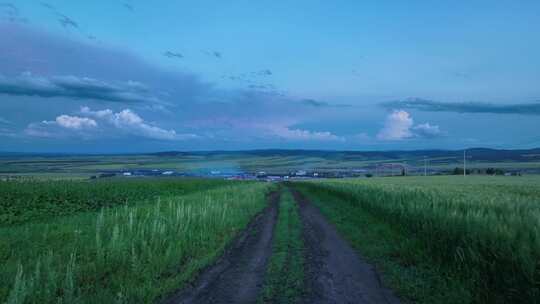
pixel 442 239
pixel 150 242
pixel 284 282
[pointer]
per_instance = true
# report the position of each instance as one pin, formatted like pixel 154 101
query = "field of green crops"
pixel 443 239
pixel 30 199
pixel 128 240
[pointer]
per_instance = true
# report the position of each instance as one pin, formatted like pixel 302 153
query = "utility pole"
pixel 464 162
pixel 404 168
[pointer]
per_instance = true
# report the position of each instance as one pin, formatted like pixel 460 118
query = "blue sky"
pixel 138 76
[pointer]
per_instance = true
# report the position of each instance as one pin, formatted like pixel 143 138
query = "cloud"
pixel 292 134
pixel 62 127
pixel 75 122
pixel 317 103
pixel 4 121
pixel 399 125
pixel 181 101
pixel 128 6
pixel 465 107
pixel 47 5
pixel 261 87
pixel 103 123
pixel 28 84
pixel 427 130
pixel 27 48
pixel 66 21
pixel 10 12
pixel 173 55
pixel 130 122
pixel 211 53
pixel 263 129
pixel 266 72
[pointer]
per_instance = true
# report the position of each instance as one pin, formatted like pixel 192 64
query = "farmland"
pixel 133 248
pixel 443 239
pixel 280 162
pixel 439 239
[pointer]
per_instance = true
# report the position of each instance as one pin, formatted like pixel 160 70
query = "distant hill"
pixel 478 154
pixel 273 161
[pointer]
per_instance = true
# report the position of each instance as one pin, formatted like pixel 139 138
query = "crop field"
pixel 123 241
pixel 29 200
pixel 443 239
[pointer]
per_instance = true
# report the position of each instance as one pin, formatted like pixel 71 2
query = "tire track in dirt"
pixel 335 273
pixel 238 276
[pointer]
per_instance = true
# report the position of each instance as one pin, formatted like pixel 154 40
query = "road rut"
pixel 238 276
pixel 335 272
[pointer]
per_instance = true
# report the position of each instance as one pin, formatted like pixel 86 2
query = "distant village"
pixel 386 169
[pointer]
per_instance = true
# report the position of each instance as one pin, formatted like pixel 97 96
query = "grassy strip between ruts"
pixel 440 243
pixel 128 254
pixel 284 282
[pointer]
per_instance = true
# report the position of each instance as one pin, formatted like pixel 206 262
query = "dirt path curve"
pixel 238 276
pixel 335 272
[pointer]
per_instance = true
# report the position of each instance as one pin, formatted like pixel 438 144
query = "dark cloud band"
pixel 465 107
pixel 28 84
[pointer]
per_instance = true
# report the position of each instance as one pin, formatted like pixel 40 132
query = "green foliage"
pixel 484 231
pixel 29 200
pixel 459 171
pixel 132 253
pixel 494 171
pixel 284 281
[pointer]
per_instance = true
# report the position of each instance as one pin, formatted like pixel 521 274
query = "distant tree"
pixel 403 172
pixel 368 175
pixel 459 171
pixel 494 171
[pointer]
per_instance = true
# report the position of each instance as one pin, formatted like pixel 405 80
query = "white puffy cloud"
pixel 102 123
pixel 75 122
pixel 62 126
pixel 131 122
pixel 399 125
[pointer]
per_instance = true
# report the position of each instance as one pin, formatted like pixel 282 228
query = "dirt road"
pixel 335 272
pixel 238 276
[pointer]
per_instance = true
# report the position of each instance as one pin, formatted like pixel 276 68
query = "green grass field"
pixel 443 239
pixel 30 199
pixel 116 241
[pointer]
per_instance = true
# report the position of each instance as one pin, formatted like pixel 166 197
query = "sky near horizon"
pixel 140 76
